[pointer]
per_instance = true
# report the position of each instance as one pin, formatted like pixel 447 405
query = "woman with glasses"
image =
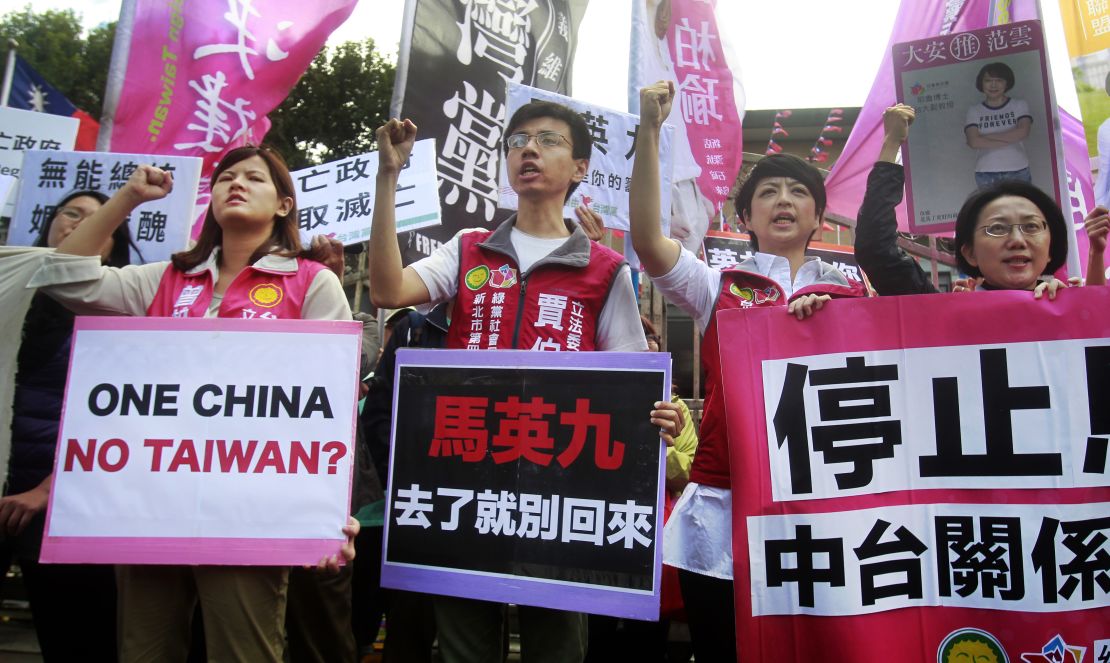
pixel 73 605
pixel 248 262
pixel 1010 235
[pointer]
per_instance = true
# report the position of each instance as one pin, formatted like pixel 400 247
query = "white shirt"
pixel 698 535
pixel 86 287
pixel 1007 158
pixel 618 327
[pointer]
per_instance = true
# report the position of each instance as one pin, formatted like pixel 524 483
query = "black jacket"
pixel 412 331
pixel 890 269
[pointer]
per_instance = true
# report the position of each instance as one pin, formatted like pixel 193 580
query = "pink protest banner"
pixel 204 441
pixel 847 181
pixel 198 78
pixel 679 41
pixel 922 478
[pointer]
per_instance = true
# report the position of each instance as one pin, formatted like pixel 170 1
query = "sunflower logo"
pixel 266 295
pixel 477 277
pixel 971 644
pixel 747 294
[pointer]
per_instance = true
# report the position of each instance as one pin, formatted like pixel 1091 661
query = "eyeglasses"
pixel 543 139
pixel 71 213
pixel 1028 228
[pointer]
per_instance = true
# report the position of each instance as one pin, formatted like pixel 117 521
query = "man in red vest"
pixel 535 282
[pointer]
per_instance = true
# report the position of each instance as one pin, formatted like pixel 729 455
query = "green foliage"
pixel 52 42
pixel 335 108
pixel 1081 85
pixel 1094 108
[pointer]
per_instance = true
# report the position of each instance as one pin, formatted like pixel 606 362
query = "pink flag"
pixel 197 78
pixel 916 20
pixel 679 40
pixel 848 179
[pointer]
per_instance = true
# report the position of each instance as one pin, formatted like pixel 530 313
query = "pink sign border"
pixel 1052 113
pixel 196 550
pixel 892 323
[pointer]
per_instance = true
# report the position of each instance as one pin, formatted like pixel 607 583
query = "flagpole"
pixel 117 70
pixel 9 72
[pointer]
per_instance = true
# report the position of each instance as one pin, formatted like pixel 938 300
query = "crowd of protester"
pixel 1009 236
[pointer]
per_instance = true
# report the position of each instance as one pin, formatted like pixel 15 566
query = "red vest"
pixel 554 306
pixel 741 289
pixel 260 291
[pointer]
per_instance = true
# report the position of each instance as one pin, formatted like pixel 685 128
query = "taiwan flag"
pixel 30 91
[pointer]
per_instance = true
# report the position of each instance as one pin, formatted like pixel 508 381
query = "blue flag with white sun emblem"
pixel 30 91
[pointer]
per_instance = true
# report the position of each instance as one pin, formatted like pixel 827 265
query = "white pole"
pixel 117 69
pixel 9 72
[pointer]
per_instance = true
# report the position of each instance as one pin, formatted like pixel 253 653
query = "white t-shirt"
pixel 618 327
pixel 86 287
pixel 989 121
pixel 1102 184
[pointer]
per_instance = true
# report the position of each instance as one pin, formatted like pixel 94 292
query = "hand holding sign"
pixel 332 563
pixel 17 511
pixel 668 417
pixel 395 141
pixel 896 123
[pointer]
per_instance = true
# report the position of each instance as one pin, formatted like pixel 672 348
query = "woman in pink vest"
pixel 247 263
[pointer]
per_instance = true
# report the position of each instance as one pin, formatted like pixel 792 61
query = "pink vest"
pixel 555 306
pixel 257 292
pixel 740 289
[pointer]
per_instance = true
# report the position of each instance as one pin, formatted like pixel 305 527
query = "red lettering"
pixel 84 457
pixel 607 455
pixel 271 457
pixel 523 431
pixel 156 445
pixel 299 456
pixel 460 428
pixel 186 455
pixel 235 454
pixel 102 455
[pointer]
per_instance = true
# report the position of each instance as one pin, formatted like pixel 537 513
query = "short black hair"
pixel 122 242
pixel 780 165
pixel 995 70
pixel 582 143
pixel 968 218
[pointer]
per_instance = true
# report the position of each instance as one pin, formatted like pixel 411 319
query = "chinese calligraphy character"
pixel 212 113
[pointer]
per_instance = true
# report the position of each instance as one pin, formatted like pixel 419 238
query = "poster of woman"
pixel 983 114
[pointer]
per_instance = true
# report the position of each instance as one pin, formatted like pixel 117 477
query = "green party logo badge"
pixel 477 277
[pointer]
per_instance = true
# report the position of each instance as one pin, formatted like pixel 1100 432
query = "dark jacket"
pixel 412 331
pixel 890 269
pixel 39 388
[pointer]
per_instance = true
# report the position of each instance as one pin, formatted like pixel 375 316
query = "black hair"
pixel 122 243
pixel 780 165
pixel 581 141
pixel 968 218
pixel 995 70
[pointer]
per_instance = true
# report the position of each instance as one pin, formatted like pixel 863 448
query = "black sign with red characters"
pixel 527 477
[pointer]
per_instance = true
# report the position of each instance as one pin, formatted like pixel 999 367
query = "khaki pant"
pixel 243 608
